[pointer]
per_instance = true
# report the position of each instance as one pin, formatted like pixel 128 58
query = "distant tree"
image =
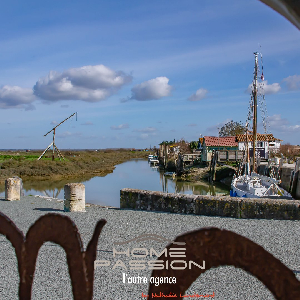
pixel 232 129
pixel 167 143
pixel 289 151
pixel 193 145
pixel 184 146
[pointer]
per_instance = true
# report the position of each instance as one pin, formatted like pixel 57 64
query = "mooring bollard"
pixel 74 197
pixel 13 188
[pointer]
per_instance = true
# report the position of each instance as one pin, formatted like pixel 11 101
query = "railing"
pixel 218 248
pixel 230 155
pixel 190 157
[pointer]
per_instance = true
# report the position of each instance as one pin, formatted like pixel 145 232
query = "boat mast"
pixel 254 94
pixel 247 168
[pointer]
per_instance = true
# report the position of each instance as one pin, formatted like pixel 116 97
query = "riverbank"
pixel 52 281
pixel 224 174
pixel 86 164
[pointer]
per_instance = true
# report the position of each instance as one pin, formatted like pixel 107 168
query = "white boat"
pixel 154 161
pixel 257 186
pixel 254 185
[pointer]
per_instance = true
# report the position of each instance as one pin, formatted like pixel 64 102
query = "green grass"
pixel 5 157
pixel 18 157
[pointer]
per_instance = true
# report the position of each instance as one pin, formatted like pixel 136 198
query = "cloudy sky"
pixel 140 72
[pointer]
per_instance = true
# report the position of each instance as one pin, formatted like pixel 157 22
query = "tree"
pixel 289 151
pixel 193 145
pixel 232 129
pixel 167 142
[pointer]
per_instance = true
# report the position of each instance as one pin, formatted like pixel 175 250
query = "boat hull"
pixel 257 187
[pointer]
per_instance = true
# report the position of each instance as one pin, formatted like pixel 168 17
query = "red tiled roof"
pixel 260 138
pixel 228 141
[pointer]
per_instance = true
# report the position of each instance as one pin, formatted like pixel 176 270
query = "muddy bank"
pixel 224 174
pixel 77 163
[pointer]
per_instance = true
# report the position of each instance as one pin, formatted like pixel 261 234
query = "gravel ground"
pixel 281 238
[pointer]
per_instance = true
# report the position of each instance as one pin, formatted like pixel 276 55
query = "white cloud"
pixel 146 130
pixel 88 83
pixel 271 88
pixel 192 125
pixel 54 123
pixel 67 134
pixel 199 95
pixel 277 121
pixel 293 82
pixel 119 127
pixel 145 133
pixel 282 125
pixel 152 89
pixel 143 136
pixel 16 97
pixel 219 54
pixel 88 123
pixel 29 107
pixel 265 88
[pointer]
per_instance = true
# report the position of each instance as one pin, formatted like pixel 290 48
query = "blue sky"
pixel 140 72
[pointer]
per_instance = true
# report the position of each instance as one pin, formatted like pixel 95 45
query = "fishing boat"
pixel 251 184
pixel 257 186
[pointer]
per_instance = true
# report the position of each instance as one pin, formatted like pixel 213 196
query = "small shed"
pixel 210 143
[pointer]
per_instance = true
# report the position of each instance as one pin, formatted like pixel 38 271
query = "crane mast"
pixel 53 142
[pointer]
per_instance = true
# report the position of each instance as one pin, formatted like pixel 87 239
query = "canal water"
pixel 136 174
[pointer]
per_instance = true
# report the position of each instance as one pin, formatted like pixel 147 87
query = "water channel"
pixel 135 174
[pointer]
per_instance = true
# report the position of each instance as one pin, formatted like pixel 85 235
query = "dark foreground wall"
pixel 223 206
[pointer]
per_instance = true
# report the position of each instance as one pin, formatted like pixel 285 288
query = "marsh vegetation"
pixel 87 163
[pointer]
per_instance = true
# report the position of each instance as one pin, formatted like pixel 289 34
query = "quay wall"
pixel 289 181
pixel 222 206
pixel 286 177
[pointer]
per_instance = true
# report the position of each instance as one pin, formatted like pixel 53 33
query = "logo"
pixel 139 255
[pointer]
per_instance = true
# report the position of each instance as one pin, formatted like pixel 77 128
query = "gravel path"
pixel 281 238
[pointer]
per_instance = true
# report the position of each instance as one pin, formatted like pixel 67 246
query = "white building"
pixel 266 143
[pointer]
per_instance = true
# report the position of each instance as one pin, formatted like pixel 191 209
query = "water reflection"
pixel 135 174
pixel 171 185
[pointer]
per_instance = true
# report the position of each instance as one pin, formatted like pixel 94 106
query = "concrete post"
pixel 12 189
pixel 74 197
